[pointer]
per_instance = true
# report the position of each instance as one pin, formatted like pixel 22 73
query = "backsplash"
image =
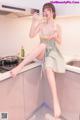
pixel 14 33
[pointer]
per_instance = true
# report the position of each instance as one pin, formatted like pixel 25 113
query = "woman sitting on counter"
pixel 47 50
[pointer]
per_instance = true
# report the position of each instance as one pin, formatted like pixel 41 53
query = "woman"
pixel 50 36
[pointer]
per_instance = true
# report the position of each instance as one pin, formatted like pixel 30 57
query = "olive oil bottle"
pixel 22 52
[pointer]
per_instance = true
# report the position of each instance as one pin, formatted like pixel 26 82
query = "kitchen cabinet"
pixel 11 98
pixel 20 96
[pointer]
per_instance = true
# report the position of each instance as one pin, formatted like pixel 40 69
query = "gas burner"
pixel 9 62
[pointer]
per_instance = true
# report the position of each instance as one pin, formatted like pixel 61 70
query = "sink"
pixel 74 63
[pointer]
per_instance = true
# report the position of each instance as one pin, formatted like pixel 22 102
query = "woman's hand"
pixel 49 37
pixel 54 36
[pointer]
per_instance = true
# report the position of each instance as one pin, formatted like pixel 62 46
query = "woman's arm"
pixel 34 30
pixel 35 26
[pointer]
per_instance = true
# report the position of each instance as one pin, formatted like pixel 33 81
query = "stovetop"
pixel 9 62
pixel 6 68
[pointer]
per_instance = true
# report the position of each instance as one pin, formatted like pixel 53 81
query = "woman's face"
pixel 48 13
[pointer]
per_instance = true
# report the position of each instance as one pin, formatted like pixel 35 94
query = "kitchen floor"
pixel 44 113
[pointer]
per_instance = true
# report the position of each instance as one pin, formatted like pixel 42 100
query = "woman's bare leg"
pixel 30 57
pixel 52 82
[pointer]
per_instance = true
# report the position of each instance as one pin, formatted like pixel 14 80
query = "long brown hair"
pixel 51 7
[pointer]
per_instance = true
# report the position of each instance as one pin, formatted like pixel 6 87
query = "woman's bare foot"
pixel 15 71
pixel 50 117
pixel 57 113
pixel 57 110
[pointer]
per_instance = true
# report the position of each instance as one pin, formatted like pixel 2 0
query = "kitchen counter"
pixel 71 68
pixel 4 76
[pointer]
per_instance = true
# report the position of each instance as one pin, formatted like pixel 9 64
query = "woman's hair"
pixel 50 7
